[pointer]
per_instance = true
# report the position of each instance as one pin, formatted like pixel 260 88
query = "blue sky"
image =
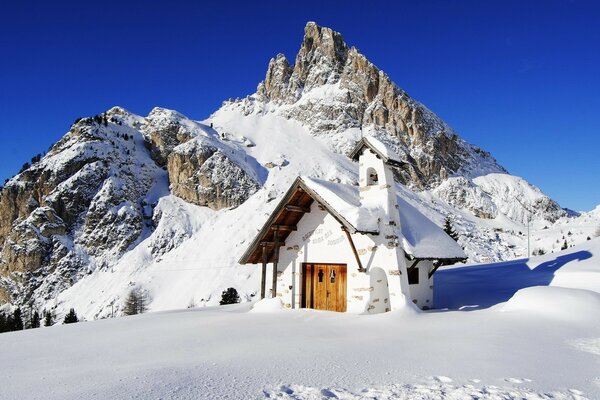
pixel 520 79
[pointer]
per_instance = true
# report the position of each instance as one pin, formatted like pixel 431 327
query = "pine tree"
pixel 48 318
pixel 9 323
pixel 2 322
pixel 35 319
pixel 229 296
pixel 136 302
pixel 71 317
pixel 564 246
pixel 449 229
pixel 17 320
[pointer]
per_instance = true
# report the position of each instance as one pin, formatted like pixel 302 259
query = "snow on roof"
pixel 344 199
pixel 419 236
pixel 379 148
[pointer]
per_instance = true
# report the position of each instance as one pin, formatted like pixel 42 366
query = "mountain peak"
pixel 332 88
pixel 324 41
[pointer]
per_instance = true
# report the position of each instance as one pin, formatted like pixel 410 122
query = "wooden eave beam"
pixel 413 265
pixel 435 268
pixel 284 228
pixel 272 244
pixel 300 209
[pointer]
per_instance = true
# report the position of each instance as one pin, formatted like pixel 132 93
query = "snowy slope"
pixel 129 223
pixel 544 342
pixel 191 256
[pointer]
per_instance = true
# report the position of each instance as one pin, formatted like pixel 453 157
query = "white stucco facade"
pixel 319 238
pixel 364 249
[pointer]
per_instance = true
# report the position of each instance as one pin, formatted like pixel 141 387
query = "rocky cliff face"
pixel 332 88
pixel 494 194
pixel 81 206
pixel 204 175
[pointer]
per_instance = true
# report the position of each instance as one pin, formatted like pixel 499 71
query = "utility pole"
pixel 529 214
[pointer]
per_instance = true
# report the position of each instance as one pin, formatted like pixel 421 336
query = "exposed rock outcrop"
pixel 90 199
pixel 332 88
pixel 204 175
pixel 164 130
pixel 77 208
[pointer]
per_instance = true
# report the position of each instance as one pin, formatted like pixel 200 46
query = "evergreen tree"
pixel 449 229
pixel 2 322
pixel 229 296
pixel 9 323
pixel 564 246
pixel 71 317
pixel 48 318
pixel 136 302
pixel 17 320
pixel 35 319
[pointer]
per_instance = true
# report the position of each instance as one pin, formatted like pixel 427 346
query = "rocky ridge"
pixel 333 88
pixel 92 197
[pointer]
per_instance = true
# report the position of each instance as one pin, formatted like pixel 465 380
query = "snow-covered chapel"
pixel 351 248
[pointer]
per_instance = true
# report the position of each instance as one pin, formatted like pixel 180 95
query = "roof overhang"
pixel 455 259
pixel 290 210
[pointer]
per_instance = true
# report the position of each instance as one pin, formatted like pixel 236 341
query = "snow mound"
pixel 587 345
pixel 267 306
pixel 556 302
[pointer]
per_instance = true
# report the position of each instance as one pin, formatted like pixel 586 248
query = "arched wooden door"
pixel 324 286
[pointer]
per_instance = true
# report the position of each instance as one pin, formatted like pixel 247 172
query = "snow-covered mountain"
pixel 168 204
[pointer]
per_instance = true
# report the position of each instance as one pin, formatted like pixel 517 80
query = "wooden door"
pixel 324 286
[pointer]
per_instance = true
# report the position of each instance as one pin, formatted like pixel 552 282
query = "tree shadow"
pixel 477 287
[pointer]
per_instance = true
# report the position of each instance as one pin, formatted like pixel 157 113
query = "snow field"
pixel 543 343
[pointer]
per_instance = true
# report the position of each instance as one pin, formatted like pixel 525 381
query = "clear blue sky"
pixel 519 78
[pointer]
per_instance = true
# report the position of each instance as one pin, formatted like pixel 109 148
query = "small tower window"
pixel 372 178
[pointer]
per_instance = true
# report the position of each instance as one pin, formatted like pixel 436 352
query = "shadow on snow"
pixel 484 286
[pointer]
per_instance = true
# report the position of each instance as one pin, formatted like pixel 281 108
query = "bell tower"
pixel 378 193
pixel 376 179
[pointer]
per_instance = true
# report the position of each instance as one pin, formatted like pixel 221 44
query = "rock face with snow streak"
pixel 332 88
pixel 493 194
pixel 76 208
pixel 85 203
pixel 204 175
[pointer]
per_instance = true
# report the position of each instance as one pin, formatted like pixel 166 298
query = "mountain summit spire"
pixel 332 88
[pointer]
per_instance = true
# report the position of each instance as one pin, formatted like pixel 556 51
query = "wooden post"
pixel 263 281
pixel 360 266
pixel 275 261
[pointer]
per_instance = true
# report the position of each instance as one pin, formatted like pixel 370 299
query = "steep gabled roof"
pixel 419 237
pixel 380 149
pixel 290 210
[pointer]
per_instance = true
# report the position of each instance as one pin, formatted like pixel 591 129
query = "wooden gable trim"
pixel 298 186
